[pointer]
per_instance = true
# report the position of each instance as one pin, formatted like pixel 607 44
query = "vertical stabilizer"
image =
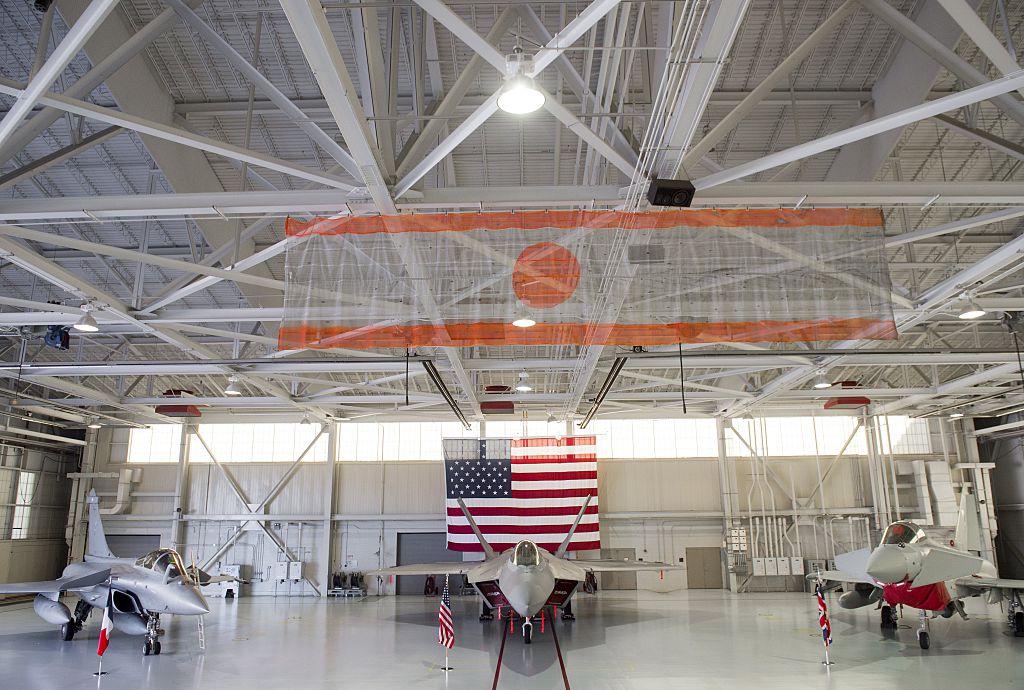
pixel 572 530
pixel 96 546
pixel 488 551
pixel 968 522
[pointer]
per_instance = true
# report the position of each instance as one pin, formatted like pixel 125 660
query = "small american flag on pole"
pixel 445 629
pixel 826 627
pixel 528 488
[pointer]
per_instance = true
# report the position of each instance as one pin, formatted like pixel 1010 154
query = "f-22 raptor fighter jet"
pixel 526 578
pixel 139 589
pixel 909 568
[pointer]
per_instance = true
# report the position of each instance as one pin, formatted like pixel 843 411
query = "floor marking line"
pixel 561 662
pixel 501 653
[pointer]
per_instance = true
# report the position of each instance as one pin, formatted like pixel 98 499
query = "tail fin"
pixel 564 546
pixel 968 524
pixel 96 546
pixel 488 551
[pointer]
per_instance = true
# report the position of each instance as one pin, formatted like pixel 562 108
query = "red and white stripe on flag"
pixel 445 627
pixel 105 630
pixel 551 478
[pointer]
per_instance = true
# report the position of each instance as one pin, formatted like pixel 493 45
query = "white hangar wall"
pixel 657 506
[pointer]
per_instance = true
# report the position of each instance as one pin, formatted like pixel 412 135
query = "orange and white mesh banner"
pixel 587 277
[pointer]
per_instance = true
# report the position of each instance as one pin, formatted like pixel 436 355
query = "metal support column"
pixel 181 488
pixel 328 498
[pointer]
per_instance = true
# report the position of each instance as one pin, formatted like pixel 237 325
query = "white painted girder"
pixel 326 202
pixel 179 136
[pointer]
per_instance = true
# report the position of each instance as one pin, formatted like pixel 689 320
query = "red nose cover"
pixel 927 597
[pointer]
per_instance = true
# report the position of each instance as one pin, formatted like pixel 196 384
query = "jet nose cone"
pixel 888 564
pixel 196 603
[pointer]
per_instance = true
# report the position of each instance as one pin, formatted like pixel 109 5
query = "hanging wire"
pixel 1020 368
pixel 407 377
pixel 682 379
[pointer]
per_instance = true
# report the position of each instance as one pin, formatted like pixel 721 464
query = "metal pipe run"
pixel 605 388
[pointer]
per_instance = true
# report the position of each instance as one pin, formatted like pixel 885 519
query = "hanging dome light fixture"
pixel 87 322
pixel 520 94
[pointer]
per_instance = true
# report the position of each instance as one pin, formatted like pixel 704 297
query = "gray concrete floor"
pixel 621 640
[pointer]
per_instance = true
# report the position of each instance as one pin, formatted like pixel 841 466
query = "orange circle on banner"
pixel 545 275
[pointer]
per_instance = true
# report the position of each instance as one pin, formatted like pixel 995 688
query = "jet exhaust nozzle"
pixel 51 611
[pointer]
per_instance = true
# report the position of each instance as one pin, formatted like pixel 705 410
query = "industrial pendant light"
pixel 520 94
pixel 524 322
pixel 822 382
pixel 971 310
pixel 87 322
pixel 524 386
pixel 233 388
pixel 94 423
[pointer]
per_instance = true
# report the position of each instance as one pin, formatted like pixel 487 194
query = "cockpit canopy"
pixel 903 532
pixel 526 554
pixel 166 562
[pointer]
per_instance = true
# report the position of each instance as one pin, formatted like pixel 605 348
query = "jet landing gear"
pixel 485 612
pixel 889 619
pixel 72 628
pixel 152 644
pixel 922 629
pixel 567 614
pixel 527 631
pixel 1015 615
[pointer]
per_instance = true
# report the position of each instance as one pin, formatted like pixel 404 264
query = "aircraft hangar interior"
pixel 606 344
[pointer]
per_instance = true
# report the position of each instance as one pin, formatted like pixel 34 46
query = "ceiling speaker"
pixel 670 192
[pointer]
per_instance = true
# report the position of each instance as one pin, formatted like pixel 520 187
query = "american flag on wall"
pixel 530 488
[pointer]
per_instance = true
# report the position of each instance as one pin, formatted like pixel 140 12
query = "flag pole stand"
pixel 826 663
pixel 100 672
pixel 446 668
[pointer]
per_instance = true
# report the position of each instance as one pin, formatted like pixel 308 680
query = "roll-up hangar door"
pixel 423 547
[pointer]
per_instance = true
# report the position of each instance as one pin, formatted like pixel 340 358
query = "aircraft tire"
pixel 147 648
pixel 887 621
pixel 67 632
pixel 156 646
pixel 924 640
pixel 1018 624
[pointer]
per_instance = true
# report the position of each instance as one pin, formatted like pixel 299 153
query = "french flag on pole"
pixel 108 625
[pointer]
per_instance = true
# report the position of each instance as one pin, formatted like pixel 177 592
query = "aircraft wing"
pixel 613 566
pixel 63 584
pixel 455 568
pixel 839 576
pixel 990 583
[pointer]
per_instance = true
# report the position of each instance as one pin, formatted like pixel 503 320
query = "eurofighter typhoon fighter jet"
pixel 911 569
pixel 140 590
pixel 526 578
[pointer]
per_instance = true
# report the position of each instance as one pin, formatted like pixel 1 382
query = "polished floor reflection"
pixel 621 640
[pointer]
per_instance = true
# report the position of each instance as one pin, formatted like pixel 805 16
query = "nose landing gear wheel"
pixel 923 640
pixel 527 632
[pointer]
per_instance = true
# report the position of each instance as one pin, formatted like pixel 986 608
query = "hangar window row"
pixel 618 439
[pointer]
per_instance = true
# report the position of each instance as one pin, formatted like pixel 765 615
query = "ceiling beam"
pixel 30 170
pixel 295 114
pixel 905 83
pixel 80 32
pixel 963 12
pixel 878 125
pixel 938 51
pixel 326 202
pixel 986 139
pixel 179 136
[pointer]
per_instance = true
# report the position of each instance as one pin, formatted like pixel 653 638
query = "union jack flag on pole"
pixel 826 627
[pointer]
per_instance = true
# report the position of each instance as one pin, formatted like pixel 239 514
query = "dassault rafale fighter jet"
pixel 908 568
pixel 526 578
pixel 140 590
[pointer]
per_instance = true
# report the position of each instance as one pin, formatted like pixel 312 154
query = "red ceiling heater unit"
pixel 847 402
pixel 178 409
